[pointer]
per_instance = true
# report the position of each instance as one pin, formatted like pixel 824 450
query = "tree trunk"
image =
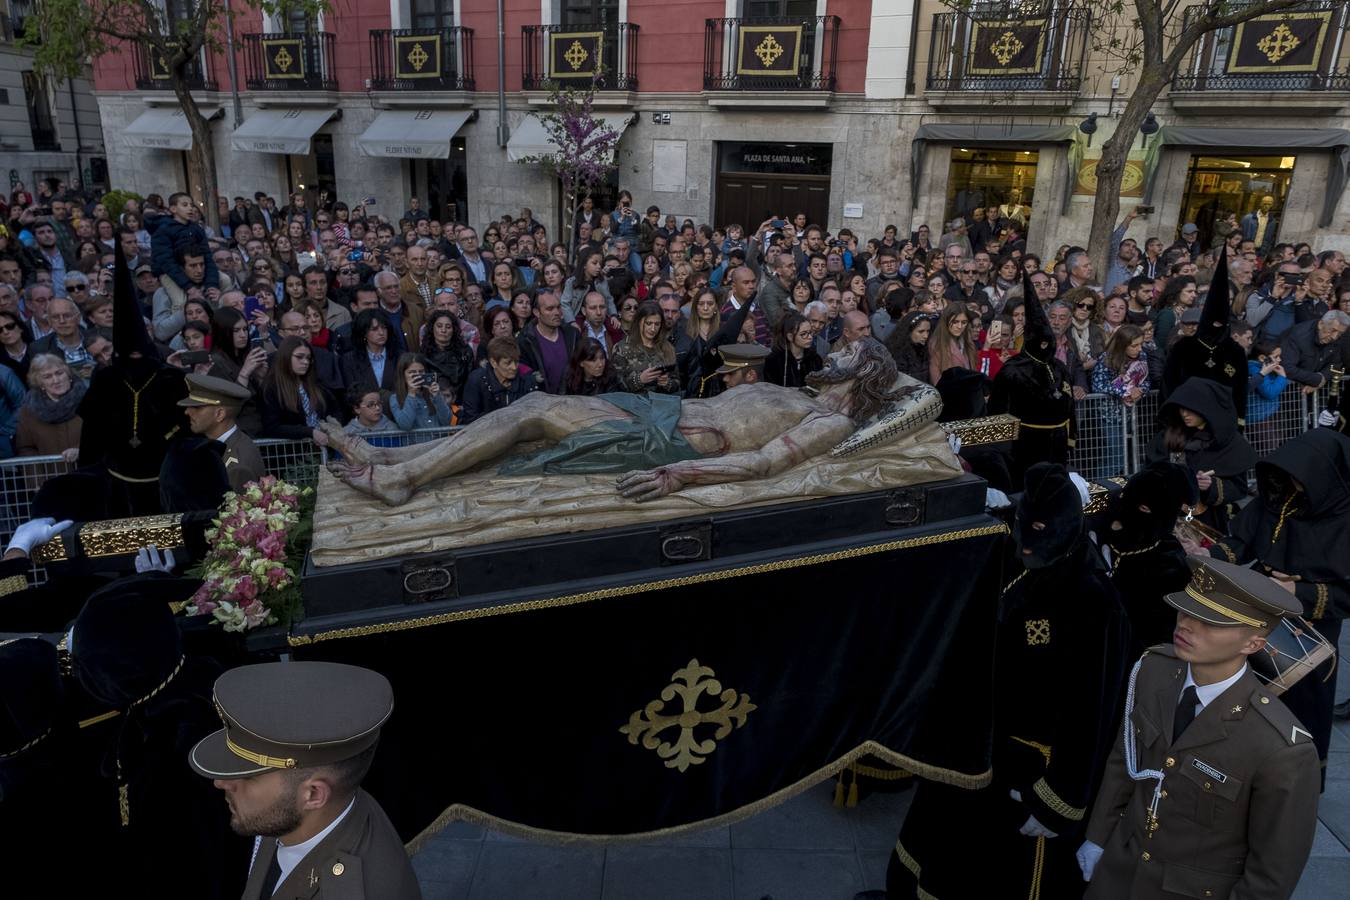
pixel 1111 167
pixel 201 156
pixel 569 223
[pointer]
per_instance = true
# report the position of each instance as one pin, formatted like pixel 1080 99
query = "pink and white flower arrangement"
pixel 248 579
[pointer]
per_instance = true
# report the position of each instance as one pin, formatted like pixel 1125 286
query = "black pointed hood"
pixel 1050 499
pixel 129 334
pixel 1214 318
pixel 1038 340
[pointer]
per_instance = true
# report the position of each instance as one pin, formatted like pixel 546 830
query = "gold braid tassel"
pixel 839 790
pixel 853 787
pixel 123 799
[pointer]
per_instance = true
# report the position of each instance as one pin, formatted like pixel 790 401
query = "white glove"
pixel 1032 828
pixel 1327 419
pixel 1088 856
pixel 954 441
pixel 148 559
pixel 35 533
pixel 995 499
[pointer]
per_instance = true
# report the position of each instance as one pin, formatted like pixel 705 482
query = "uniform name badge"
pixel 1210 771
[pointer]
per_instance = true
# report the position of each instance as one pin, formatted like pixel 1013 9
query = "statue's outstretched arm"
pixel 811 438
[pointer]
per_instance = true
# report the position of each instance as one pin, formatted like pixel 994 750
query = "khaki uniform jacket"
pixel 243 462
pixel 1239 803
pixel 362 857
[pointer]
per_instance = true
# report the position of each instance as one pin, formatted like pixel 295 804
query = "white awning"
pixel 280 130
pixel 164 128
pixel 530 139
pixel 413 133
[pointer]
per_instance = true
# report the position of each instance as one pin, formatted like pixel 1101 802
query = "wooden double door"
pixel 747 199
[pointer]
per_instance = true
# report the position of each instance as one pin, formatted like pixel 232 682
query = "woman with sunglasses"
pixel 1085 334
pixel 15 339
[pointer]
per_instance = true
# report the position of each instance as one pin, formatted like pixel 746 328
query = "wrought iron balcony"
pixel 770 54
pixel 152 72
pixel 990 50
pixel 289 61
pixel 576 54
pixel 1297 49
pixel 422 59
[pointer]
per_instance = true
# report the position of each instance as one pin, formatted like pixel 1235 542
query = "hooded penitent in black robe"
pixel 128 655
pixel 1059 666
pixel 1145 558
pixel 131 411
pixel 1299 525
pixel 1035 387
pixel 964 396
pixel 1218 447
pixel 1211 352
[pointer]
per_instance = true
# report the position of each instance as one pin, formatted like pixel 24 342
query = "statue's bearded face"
pixel 839 366
pixel 866 369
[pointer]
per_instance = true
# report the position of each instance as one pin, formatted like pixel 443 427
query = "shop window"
pixel 1218 185
pixel 985 178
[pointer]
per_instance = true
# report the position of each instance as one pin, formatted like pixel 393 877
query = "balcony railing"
pixel 422 59
pixel 770 54
pixel 289 61
pixel 1001 50
pixel 1298 49
pixel 578 54
pixel 152 72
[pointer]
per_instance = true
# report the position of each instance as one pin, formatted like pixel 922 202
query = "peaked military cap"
pixel 292 715
pixel 1222 593
pixel 208 390
pixel 740 356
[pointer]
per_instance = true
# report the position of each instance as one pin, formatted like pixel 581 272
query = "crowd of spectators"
pixel 422 323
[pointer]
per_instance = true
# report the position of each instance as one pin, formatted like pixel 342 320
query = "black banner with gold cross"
pixel 283 58
pixel 159 62
pixel 1007 48
pixel 417 56
pixel 702 694
pixel 769 50
pixel 1283 42
pixel 575 54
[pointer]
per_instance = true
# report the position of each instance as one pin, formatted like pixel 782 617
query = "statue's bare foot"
pixel 378 481
pixel 349 445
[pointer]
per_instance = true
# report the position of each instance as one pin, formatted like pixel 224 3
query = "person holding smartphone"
pixel 417 401
pixel 645 359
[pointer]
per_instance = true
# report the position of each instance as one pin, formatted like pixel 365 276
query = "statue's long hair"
pixel 873 377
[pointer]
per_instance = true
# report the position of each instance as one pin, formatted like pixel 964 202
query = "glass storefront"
pixel 1237 183
pixel 985 177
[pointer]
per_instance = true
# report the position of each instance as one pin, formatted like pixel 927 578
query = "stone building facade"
pixel 861 112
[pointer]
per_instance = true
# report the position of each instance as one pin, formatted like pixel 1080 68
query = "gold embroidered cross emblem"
pixel 1279 43
pixel 690 684
pixel 1006 48
pixel 283 59
pixel 769 50
pixel 576 55
pixel 418 57
pixel 1038 632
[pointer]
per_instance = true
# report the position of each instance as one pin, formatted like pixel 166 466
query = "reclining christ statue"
pixel 661 444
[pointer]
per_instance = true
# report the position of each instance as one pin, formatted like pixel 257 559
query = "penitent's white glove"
pixel 35 533
pixel 1088 856
pixel 1327 419
pixel 148 559
pixel 954 441
pixel 995 499
pixel 1032 828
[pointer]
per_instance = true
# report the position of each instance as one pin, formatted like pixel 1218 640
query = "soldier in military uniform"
pixel 741 364
pixel 1211 790
pixel 299 738
pixel 212 406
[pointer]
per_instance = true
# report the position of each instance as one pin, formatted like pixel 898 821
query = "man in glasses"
pixel 77 288
pixel 67 339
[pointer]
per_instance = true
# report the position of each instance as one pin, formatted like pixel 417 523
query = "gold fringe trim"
pixel 1053 800
pixel 461 813
pixel 623 591
pixel 1323 597
pixel 1232 557
pixel 13 584
pixel 909 862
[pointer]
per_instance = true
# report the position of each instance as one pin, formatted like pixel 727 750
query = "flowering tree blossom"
pixel 583 147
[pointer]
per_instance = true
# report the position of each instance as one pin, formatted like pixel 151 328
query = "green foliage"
pixel 116 201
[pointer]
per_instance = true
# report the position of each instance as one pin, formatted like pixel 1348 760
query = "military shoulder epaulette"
pixel 1279 717
pixel 1169 650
